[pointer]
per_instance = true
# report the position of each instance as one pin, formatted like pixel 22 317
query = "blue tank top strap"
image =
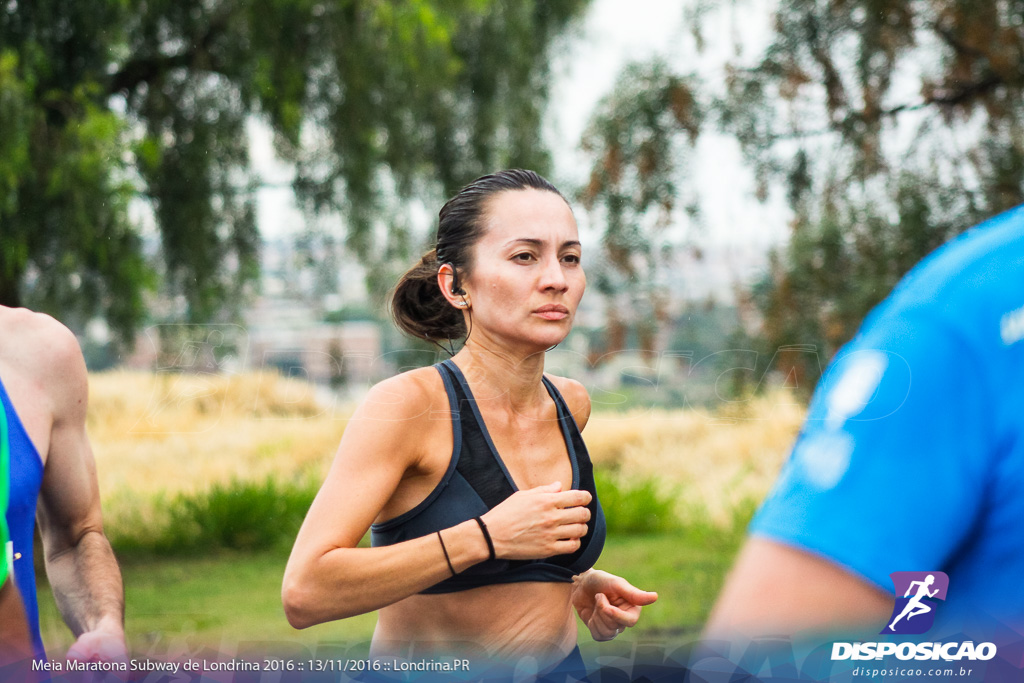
pixel 5 481
pixel 26 479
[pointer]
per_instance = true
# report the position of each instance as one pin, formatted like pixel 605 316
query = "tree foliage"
pixel 633 190
pixel 891 126
pixel 107 101
pixel 894 126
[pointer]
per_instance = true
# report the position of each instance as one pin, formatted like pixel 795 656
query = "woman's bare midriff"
pixel 503 621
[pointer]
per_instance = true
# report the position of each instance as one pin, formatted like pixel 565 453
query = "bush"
pixel 256 515
pixel 637 507
pixel 238 516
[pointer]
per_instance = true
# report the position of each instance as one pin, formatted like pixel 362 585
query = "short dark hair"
pixel 418 306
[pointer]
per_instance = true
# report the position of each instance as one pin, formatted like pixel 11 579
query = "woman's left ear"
pixel 447 282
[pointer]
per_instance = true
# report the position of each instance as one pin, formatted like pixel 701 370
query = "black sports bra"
pixel 477 480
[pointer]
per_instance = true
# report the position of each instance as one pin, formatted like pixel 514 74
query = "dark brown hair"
pixel 417 304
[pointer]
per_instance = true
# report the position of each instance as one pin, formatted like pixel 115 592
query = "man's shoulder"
pixel 963 299
pixel 970 277
pixel 37 335
pixel 39 345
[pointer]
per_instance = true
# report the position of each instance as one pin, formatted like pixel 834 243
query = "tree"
pixel 894 126
pixel 108 101
pixel 891 126
pixel 633 191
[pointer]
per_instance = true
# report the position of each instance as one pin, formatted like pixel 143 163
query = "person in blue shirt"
pixel 911 458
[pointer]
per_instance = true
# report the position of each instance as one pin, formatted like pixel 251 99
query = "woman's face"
pixel 526 279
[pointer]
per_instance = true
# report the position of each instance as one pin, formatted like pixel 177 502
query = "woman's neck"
pixel 495 372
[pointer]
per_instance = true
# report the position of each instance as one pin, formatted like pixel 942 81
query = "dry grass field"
pixel 156 435
pixel 715 460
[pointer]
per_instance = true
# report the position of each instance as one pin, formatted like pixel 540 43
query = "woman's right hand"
pixel 538 522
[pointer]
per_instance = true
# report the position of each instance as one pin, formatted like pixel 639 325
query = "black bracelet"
pixel 445 551
pixel 487 537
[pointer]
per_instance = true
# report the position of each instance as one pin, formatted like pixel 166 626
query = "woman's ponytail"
pixel 419 308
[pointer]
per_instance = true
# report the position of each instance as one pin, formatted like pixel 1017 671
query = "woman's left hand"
pixel 608 604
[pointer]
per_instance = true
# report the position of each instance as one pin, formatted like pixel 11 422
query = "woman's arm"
pixel 328 578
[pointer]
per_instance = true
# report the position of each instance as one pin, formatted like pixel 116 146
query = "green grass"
pixel 226 599
pixel 241 515
pixel 686 568
pixel 260 515
pixel 635 507
pixel 187 603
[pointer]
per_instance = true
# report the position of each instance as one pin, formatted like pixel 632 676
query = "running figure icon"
pixel 914 606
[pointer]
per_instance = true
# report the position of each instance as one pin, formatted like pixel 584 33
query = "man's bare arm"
pixel 80 564
pixel 15 643
pixel 777 590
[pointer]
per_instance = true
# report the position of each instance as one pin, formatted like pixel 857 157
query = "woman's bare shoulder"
pixel 406 396
pixel 576 397
pixel 396 422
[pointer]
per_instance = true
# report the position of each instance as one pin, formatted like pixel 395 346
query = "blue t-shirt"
pixel 912 456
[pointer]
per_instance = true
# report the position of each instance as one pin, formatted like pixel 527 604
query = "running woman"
pixel 471 475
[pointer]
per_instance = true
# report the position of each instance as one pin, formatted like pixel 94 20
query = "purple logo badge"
pixel 914 613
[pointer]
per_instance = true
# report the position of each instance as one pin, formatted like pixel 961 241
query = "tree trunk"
pixel 10 294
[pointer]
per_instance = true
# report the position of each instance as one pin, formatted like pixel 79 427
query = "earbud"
pixel 455 280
